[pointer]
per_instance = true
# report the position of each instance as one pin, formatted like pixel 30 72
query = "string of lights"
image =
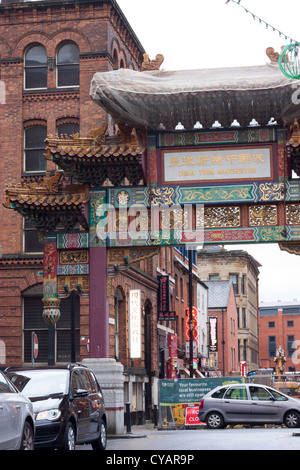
pixel 268 25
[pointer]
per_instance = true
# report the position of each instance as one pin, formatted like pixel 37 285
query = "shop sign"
pixel 164 312
pixel 135 323
pixel 213 337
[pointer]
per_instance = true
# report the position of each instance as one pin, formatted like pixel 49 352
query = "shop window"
pixel 68 65
pixel 35 148
pixel 35 67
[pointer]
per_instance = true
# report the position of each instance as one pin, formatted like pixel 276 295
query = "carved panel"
pixel 262 215
pixel 221 217
pixel 293 214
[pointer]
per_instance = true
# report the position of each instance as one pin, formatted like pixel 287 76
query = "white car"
pixel 17 426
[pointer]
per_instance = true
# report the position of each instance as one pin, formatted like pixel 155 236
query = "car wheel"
pixel 69 437
pixel 100 443
pixel 292 419
pixel 214 421
pixel 27 438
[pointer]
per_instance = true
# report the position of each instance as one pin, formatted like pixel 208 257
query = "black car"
pixel 68 405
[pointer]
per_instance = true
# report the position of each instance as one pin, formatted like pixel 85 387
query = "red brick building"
pixel 223 327
pixel 279 326
pixel 49 52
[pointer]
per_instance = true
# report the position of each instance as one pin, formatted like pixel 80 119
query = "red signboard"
pixel 191 416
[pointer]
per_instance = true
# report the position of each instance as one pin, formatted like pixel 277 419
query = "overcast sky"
pixel 195 34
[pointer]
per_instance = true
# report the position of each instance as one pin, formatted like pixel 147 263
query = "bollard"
pixel 155 415
pixel 128 418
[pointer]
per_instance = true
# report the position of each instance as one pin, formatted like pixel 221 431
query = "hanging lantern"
pixel 289 61
pixel 51 310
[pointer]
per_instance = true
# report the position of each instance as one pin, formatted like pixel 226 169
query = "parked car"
pixel 248 404
pixel 16 418
pixel 68 405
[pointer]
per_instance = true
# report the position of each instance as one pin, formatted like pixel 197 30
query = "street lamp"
pixel 72 293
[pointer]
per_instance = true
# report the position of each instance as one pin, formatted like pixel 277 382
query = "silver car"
pixel 16 418
pixel 248 404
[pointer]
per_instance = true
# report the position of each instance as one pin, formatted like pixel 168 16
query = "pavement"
pixel 136 431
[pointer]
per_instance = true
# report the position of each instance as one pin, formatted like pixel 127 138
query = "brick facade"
pixel 279 325
pixel 105 41
pixel 242 267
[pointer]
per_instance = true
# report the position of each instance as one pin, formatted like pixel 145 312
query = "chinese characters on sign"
pixel 209 165
pixel 164 299
pixel 135 323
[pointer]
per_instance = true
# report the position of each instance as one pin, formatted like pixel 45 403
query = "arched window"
pixel 68 129
pixel 35 66
pixel 68 65
pixel 35 148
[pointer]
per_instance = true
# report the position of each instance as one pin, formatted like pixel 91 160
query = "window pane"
pixel 35 137
pixel 68 75
pixel 35 149
pixel 35 160
pixel 32 243
pixel 236 393
pixel 68 129
pixel 36 78
pixel 36 56
pixel 68 54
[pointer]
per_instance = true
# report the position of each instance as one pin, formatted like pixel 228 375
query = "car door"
pixel 10 415
pixel 80 405
pixel 264 407
pixel 236 405
pixel 94 400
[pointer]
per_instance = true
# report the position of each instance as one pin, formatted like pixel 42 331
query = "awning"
pixel 161 99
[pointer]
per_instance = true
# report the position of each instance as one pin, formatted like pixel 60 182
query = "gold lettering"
pixel 245 158
pixel 174 161
pixel 202 160
pixel 217 159
pixel 188 160
pixel 258 158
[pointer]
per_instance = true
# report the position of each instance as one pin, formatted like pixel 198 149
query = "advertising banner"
pixel 185 391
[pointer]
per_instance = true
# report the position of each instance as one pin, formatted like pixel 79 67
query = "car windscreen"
pixel 39 383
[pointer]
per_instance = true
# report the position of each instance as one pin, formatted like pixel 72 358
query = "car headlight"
pixel 50 415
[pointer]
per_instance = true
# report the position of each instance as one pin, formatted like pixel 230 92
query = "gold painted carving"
pixel 272 191
pixel 72 282
pixel 293 214
pixel 74 257
pixel 152 64
pixel 262 215
pixel 221 217
pixel 294 141
pixel 273 56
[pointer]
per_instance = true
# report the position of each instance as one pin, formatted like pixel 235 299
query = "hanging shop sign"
pixel 164 312
pixel 213 334
pixel 193 330
pixel 238 163
pixel 135 323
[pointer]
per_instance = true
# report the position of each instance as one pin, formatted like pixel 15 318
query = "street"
pixel 257 438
